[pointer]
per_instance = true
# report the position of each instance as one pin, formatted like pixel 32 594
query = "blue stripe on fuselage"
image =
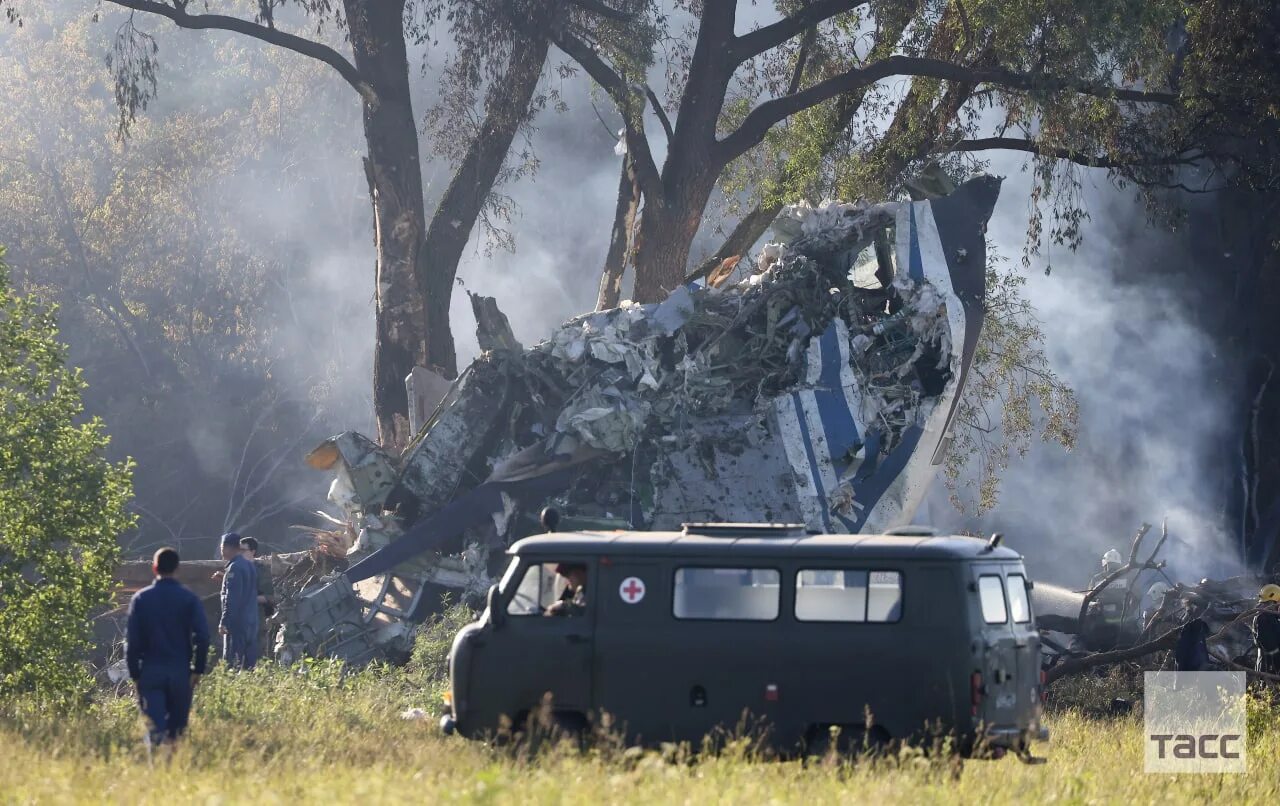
pixel 838 423
pixel 814 473
pixel 915 264
pixel 868 492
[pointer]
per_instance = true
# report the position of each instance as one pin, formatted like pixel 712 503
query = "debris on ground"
pixel 1134 612
pixel 819 388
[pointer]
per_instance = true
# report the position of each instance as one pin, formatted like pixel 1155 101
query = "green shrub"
pixel 62 506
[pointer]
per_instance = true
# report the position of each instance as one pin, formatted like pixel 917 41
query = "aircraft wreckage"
pixel 819 389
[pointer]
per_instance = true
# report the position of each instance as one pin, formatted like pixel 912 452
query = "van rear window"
pixel 848 595
pixel 1019 607
pixel 735 594
pixel 991 594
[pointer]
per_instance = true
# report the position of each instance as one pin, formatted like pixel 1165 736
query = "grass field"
pixel 280 737
pixel 314 734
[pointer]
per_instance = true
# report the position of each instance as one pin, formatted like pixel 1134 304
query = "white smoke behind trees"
pixel 1155 433
pixel 1152 421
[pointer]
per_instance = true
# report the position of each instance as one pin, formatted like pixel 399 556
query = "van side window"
pixel 742 594
pixel 848 595
pixel 991 594
pixel 1018 604
pixel 536 591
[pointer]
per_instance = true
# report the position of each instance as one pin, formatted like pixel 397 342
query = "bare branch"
pixel 1079 158
pixel 763 117
pixel 1119 572
pixel 771 36
pixel 659 111
pixel 612 83
pixel 1076 665
pixel 177 13
pixel 802 61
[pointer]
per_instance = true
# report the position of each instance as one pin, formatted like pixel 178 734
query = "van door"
pixel 1027 644
pixel 632 663
pixel 534 653
pixel 998 650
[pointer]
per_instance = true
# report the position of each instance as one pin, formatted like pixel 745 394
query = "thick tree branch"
pixel 763 117
pixel 1078 157
pixel 612 83
pixel 1076 665
pixel 272 36
pixel 771 36
pixel 659 111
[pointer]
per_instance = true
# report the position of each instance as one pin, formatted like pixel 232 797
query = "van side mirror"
pixel 497 615
pixel 1031 585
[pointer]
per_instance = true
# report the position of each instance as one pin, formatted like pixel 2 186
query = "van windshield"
pixel 542 590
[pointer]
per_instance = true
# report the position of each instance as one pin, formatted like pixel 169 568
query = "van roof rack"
pixel 745 529
pixel 911 530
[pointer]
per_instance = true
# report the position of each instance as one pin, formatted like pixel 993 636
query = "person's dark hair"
pixel 250 543
pixel 165 560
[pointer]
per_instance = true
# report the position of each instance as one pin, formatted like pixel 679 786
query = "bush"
pixel 62 506
pixel 429 665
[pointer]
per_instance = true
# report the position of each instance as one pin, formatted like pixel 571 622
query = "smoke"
pixel 1155 437
pixel 565 211
pixel 1118 316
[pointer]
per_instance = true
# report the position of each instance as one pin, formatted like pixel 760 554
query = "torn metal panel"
pixel 426 390
pixel 732 464
pixel 364 473
pixel 442 532
pixel 327 621
pixel 435 465
pixel 963 247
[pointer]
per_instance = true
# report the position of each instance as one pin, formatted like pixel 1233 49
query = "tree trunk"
pixel 506 109
pixel 666 235
pixel 404 331
pixel 624 219
pixel 746 233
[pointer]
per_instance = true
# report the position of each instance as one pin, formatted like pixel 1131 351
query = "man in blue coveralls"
pixel 238 625
pixel 167 648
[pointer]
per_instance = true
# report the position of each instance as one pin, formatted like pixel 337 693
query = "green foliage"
pixel 1011 396
pixel 430 662
pixel 62 506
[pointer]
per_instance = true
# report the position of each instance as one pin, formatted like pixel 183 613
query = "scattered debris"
pixel 819 389
pixel 1134 612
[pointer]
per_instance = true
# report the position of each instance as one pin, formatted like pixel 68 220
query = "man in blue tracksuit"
pixel 167 648
pixel 238 625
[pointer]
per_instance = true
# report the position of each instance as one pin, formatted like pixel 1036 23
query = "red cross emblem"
pixel 631 590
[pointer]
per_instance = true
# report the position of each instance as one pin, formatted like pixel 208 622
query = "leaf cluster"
pixel 62 506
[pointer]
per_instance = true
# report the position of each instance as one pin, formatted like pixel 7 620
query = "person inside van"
pixel 573 601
